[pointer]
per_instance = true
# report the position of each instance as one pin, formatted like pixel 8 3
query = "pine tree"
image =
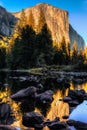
pixel 23 50
pixel 75 53
pixel 44 44
pixel 2 57
pixel 17 30
pixel 81 57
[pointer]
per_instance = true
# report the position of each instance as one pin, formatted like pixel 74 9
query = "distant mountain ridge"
pixel 36 16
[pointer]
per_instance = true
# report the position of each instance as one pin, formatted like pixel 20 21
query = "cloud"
pixel 1 3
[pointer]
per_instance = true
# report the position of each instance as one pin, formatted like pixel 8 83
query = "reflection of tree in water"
pixel 56 83
pixel 3 76
pixel 9 110
pixel 57 108
pixel 27 106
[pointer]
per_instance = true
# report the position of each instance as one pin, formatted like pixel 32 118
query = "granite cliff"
pixel 7 22
pixel 36 16
pixel 75 36
pixel 56 20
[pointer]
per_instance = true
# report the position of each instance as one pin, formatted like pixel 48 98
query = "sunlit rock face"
pixel 7 22
pixel 36 16
pixel 56 20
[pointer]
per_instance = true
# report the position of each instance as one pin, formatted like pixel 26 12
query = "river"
pixel 10 83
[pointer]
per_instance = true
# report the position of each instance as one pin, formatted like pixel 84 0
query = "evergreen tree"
pixel 23 49
pixel 75 53
pixel 17 30
pixel 2 57
pixel 59 58
pixel 81 57
pixel 44 44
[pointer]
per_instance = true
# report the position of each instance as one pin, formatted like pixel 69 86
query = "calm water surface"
pixel 9 86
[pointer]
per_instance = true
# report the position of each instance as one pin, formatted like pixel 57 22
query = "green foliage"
pixel 23 49
pixel 31 49
pixel 59 58
pixel 62 55
pixel 74 53
pixel 44 45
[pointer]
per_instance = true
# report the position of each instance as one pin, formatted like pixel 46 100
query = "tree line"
pixel 27 49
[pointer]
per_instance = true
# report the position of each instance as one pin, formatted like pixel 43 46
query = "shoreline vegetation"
pixel 46 70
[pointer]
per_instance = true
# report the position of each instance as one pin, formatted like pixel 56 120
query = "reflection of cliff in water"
pixel 58 108
pixel 15 115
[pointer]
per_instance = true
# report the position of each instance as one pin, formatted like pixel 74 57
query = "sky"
pixel 77 11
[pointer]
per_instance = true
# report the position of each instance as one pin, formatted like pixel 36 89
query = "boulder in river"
pixel 32 119
pixel 77 125
pixel 23 94
pixel 5 114
pixel 45 98
pixel 57 125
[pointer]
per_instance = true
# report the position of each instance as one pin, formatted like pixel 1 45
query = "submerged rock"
pixel 7 127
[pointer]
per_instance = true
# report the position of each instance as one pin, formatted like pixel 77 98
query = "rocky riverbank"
pixel 42 94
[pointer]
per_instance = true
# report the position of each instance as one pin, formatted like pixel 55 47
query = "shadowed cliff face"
pixel 7 22
pixel 36 16
pixel 75 36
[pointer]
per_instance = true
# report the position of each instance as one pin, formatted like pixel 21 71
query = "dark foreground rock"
pixel 23 94
pixel 5 114
pixel 75 97
pixel 77 124
pixel 33 119
pixel 56 124
pixel 45 98
pixel 7 127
